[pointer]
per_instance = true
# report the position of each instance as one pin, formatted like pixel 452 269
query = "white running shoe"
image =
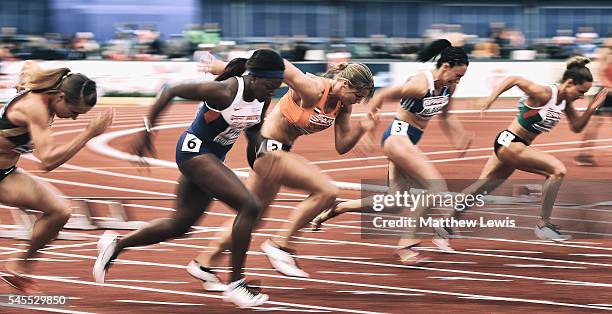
pixel 551 232
pixel 210 281
pixel 442 238
pixel 106 248
pixel 239 293
pixel 282 260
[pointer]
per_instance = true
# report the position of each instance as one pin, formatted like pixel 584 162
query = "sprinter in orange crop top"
pixel 312 104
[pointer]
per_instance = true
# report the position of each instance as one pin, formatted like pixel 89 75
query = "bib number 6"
pixel 505 138
pixel 191 144
pixel 399 128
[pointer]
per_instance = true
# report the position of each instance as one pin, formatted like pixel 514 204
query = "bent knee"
pixel 327 195
pixel 252 207
pixel 559 170
pixel 60 214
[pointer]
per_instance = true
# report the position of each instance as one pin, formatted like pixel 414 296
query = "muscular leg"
pixel 299 174
pixel 210 174
pixel 190 203
pixel 492 176
pixel 20 189
pixel 534 161
pixel 266 193
pixel 413 166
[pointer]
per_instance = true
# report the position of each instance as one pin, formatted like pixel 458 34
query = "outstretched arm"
pixel 50 153
pixel 347 134
pixel 306 87
pixel 578 122
pixel 415 87
pixel 452 127
pixel 537 92
pixel 217 95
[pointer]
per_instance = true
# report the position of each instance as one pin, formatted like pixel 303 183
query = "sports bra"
pixel 541 119
pixel 309 120
pixel 430 105
pixel 18 135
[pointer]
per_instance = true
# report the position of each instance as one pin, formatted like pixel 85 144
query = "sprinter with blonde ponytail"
pixel 24 124
pixel 540 110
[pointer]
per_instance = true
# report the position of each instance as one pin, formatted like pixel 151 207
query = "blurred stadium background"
pixel 301 30
pixel 107 39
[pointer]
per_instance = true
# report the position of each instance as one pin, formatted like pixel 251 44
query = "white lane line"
pixel 285 309
pixel 445 293
pixel 375 292
pixel 465 158
pixel 277 287
pixel 147 249
pixel 468 278
pixel 347 283
pixel 104 187
pixel 353 273
pixel 459 271
pixel 544 243
pixel 344 160
pixel 159 302
pixel 591 255
pixel 147 281
pixel 197 294
pixel 543 266
pixel 99 144
pixel 104 172
pixel 504 251
pixel 573 284
pixel 344 257
pixel 44 309
pixel 55 246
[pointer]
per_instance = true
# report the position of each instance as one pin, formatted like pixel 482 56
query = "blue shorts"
pixel 189 146
pixel 399 127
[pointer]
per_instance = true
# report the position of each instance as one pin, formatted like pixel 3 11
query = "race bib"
pixel 272 145
pixel 505 138
pixel 399 128
pixel 191 143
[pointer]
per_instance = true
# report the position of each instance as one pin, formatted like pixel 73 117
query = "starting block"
pixel 118 218
pixel 81 218
pixel 22 229
pixel 527 190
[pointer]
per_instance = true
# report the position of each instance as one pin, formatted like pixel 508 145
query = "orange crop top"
pixel 309 120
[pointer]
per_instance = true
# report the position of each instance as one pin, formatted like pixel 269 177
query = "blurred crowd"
pixel 144 42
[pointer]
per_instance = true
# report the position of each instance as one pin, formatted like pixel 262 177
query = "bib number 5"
pixel 505 138
pixel 191 144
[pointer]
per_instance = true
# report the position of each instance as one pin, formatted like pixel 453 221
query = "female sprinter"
pixel 312 104
pixel 25 123
pixel 423 96
pixel 539 111
pixel 231 104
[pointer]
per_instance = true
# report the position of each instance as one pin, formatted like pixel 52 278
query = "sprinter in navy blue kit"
pixel 230 104
pixel 423 96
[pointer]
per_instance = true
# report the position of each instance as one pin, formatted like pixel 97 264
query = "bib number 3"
pixel 191 144
pixel 505 138
pixel 399 128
